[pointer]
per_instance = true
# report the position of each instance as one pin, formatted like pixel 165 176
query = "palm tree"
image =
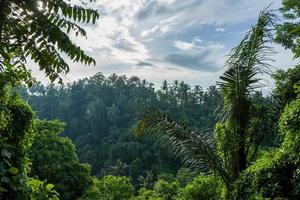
pixel 164 87
pixel 147 181
pixel 198 150
pixel 119 169
pixel 246 61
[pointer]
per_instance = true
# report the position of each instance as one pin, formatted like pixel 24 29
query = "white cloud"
pixel 186 46
pixel 220 29
pixel 194 12
pixel 135 37
pixel 183 45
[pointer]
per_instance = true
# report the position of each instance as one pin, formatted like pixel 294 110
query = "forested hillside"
pixel 99 113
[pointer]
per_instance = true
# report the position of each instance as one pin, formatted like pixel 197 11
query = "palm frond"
pixel 195 150
pixel 252 55
pixel 246 61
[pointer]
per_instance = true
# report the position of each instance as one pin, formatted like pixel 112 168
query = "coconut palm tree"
pixel 119 169
pixel 197 149
pixel 147 181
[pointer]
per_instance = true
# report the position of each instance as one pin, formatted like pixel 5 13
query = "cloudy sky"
pixel 169 39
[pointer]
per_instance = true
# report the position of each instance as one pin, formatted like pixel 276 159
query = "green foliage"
pixel 184 176
pixel 106 138
pixel 166 176
pixel 147 181
pixel 288 32
pixel 54 159
pixel 286 85
pixel 196 150
pixel 93 192
pixel 262 133
pixel 99 113
pixel 246 61
pixel 14 77
pixel 290 128
pixel 16 127
pixel 166 190
pixel 202 187
pixel 111 188
pixel 41 190
pixel 102 137
pixel 262 128
pixel 268 177
pixel 162 190
pixel 146 194
pixel 39 30
pixel 119 169
pixel 276 173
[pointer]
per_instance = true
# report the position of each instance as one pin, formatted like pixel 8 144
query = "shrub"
pixel 116 188
pixel 202 187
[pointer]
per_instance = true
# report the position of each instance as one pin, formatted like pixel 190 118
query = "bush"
pixel 110 188
pixel 116 188
pixel 93 192
pixel 166 190
pixel 202 187
pixel 39 190
pixel 162 190
pixel 145 194
pixel 184 176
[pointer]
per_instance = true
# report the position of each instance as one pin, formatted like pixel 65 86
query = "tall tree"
pixel 119 168
pixel 54 159
pixel 246 61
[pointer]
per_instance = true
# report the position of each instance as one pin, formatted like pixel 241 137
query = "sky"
pixel 169 39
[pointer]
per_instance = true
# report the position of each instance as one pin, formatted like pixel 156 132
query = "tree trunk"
pixel 241 151
pixel 242 120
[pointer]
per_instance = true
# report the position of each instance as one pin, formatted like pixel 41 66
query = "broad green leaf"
pixel 13 170
pixel 50 186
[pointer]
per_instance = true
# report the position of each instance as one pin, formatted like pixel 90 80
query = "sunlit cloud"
pixel 167 39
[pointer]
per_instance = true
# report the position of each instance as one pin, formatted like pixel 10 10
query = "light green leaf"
pixel 13 170
pixel 50 186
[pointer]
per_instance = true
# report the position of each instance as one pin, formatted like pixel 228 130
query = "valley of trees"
pixel 122 138
pixel 100 112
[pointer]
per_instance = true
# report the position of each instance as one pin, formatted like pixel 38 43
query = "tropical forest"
pixel 149 100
